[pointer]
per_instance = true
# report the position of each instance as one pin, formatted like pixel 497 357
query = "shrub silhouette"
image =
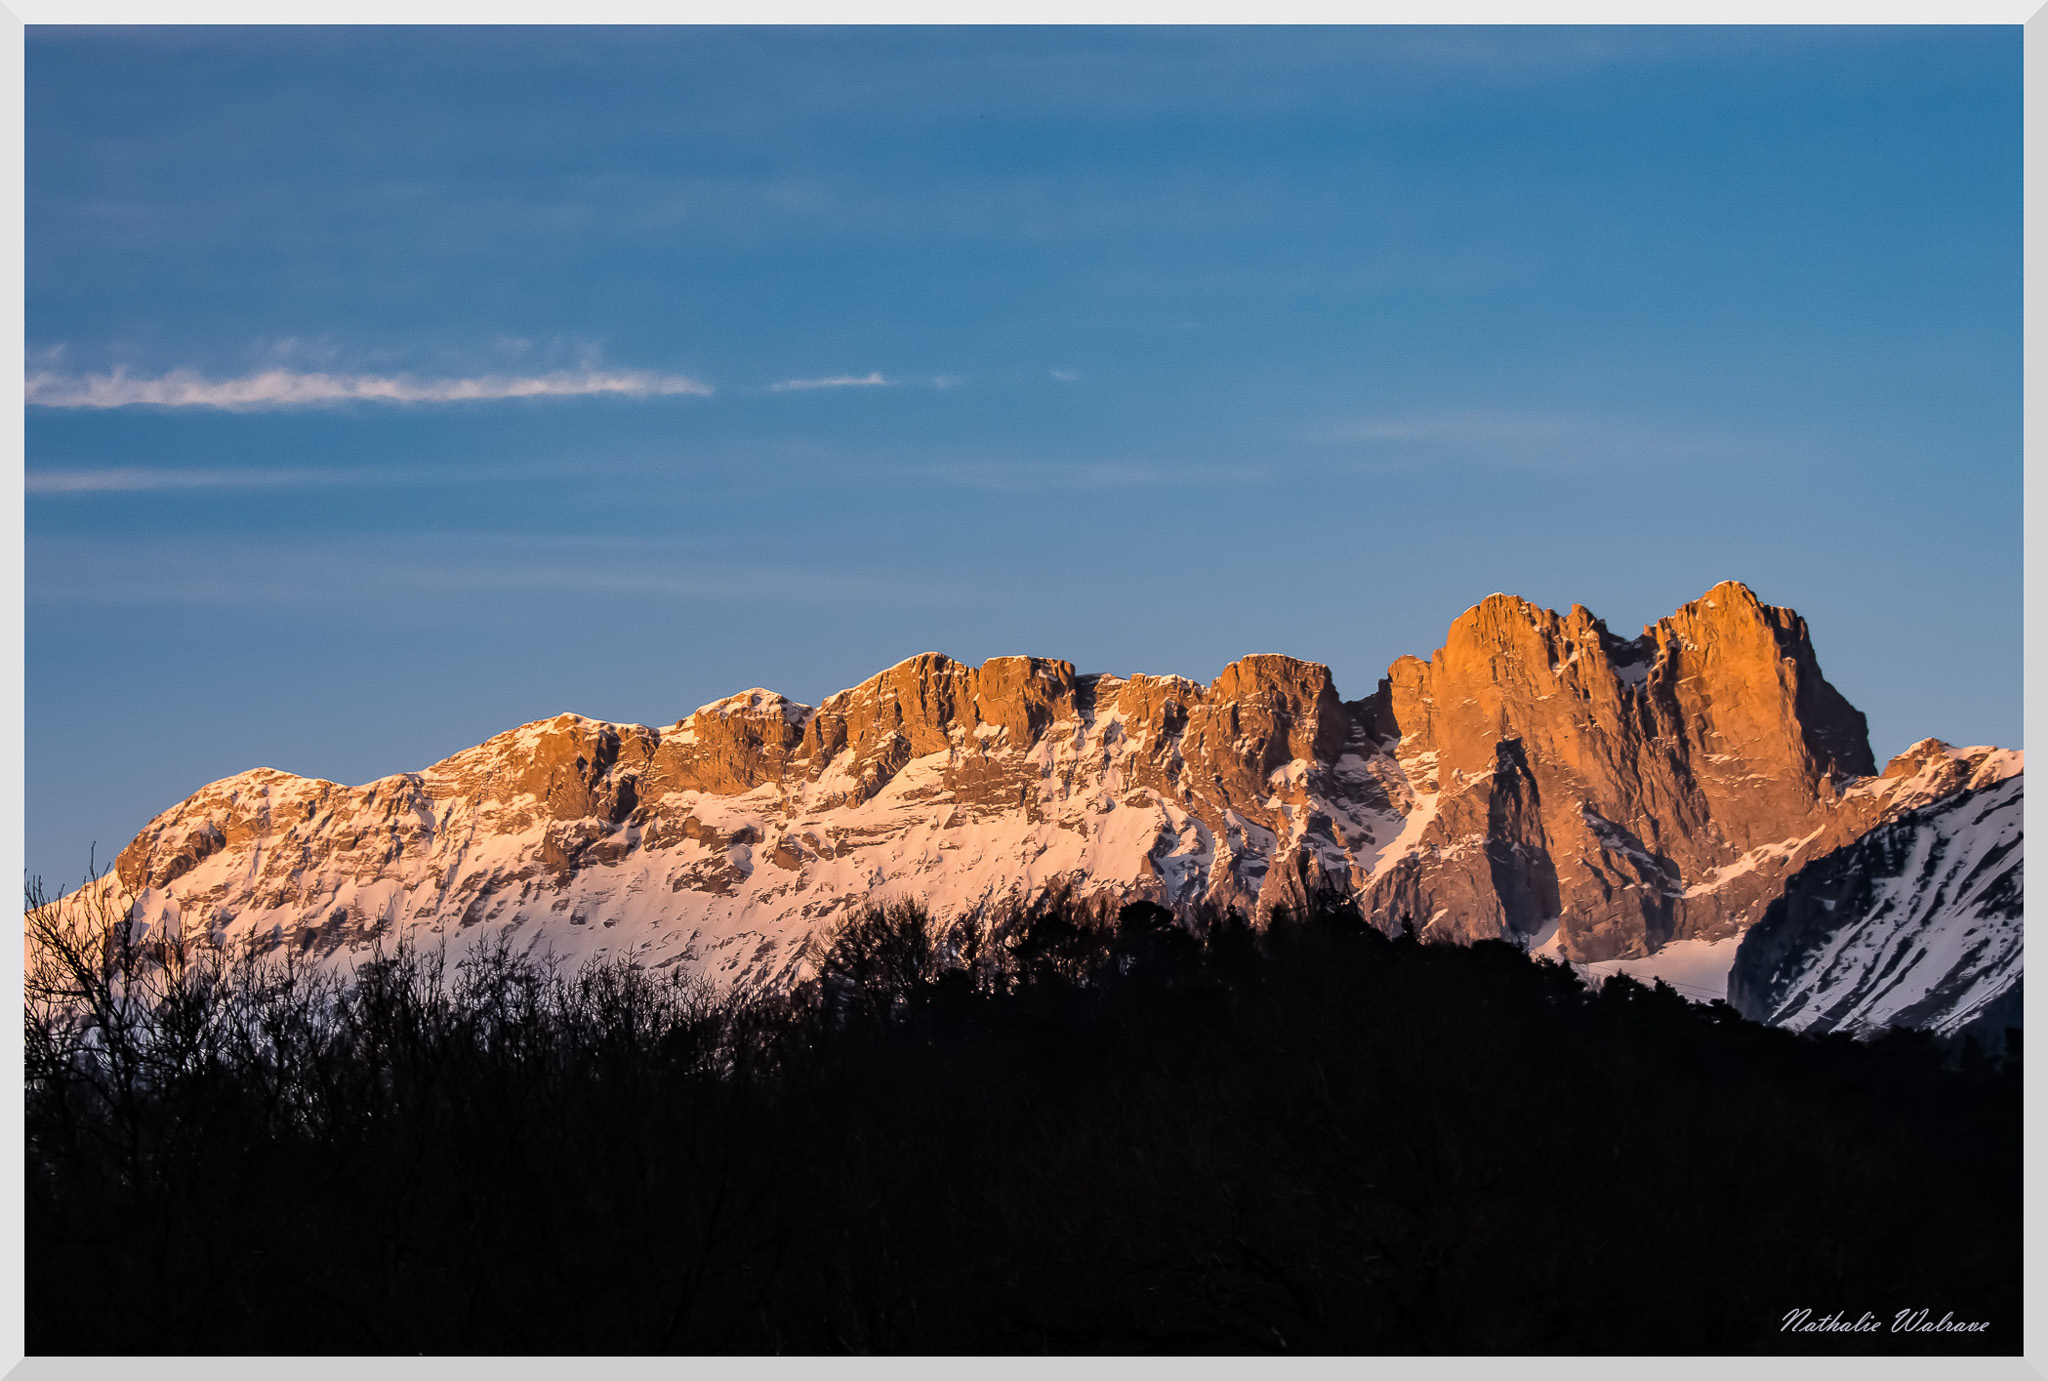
pixel 1060 1125
pixel 877 960
pixel 1151 941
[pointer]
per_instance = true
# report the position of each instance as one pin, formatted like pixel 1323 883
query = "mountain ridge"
pixel 1536 774
pixel 1848 946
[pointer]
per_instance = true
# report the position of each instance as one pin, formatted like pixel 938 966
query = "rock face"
pixel 1643 790
pixel 1538 779
pixel 1918 923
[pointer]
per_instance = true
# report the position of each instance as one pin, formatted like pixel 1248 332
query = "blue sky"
pixel 390 388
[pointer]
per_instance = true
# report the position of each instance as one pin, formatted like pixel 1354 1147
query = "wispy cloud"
pixel 284 388
pixel 1065 376
pixel 386 575
pixel 1459 428
pixel 874 380
pixel 139 479
pixel 1019 477
pixel 1541 440
pixel 90 481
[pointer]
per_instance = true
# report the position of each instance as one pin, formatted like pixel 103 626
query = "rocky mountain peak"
pixel 1744 673
pixel 1536 778
pixel 1283 708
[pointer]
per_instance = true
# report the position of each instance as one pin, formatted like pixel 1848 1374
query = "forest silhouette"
pixel 1060 1126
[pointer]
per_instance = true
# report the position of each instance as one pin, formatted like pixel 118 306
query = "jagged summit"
pixel 1536 776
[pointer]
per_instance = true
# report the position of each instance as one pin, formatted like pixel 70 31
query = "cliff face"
pixel 1644 790
pixel 1537 776
pixel 724 839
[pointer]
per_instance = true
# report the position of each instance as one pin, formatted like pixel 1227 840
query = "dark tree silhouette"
pixel 1061 1126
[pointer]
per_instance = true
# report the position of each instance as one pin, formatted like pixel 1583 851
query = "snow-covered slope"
pixel 1918 923
pixel 1539 779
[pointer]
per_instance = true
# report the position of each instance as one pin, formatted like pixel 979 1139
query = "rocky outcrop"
pixel 1918 923
pixel 1537 777
pixel 1642 790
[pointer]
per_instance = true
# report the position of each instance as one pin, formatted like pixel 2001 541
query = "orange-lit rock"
pixel 1538 778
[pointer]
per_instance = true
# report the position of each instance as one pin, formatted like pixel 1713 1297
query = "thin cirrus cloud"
pixel 873 380
pixel 284 388
pixel 1015 477
pixel 366 576
pixel 136 479
pixel 1539 440
pixel 88 481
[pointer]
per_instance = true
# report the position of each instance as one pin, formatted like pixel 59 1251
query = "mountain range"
pixel 1625 804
